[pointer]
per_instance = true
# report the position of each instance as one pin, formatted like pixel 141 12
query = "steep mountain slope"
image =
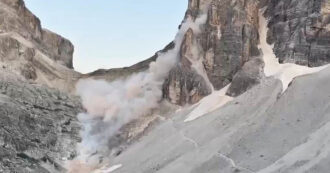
pixel 274 133
pixel 31 52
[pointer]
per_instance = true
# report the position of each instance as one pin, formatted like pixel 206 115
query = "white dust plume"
pixel 111 105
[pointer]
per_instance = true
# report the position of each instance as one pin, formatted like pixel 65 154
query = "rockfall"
pixel 260 127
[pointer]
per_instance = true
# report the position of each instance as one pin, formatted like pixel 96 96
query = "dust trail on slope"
pixel 109 106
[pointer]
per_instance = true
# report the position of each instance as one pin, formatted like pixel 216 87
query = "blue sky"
pixel 111 33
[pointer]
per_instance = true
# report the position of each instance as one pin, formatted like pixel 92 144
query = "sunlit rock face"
pixel 31 52
pixel 300 31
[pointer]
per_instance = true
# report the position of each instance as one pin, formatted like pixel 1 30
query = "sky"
pixel 111 33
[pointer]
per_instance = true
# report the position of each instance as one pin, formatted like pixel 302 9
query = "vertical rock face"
pixel 230 39
pixel 227 41
pixel 300 31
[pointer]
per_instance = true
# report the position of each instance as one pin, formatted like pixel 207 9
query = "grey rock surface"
pixel 300 31
pixel 38 128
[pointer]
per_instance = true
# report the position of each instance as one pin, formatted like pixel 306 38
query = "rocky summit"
pixel 243 87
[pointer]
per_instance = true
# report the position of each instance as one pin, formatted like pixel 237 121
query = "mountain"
pixel 39 128
pixel 243 87
pixel 31 52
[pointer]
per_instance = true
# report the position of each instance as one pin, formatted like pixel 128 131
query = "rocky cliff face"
pixel 34 53
pixel 300 31
pixel 228 44
pixel 227 41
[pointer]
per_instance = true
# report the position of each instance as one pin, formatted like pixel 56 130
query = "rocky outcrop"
pixel 300 31
pixel 185 84
pixel 38 129
pixel 34 53
pixel 227 41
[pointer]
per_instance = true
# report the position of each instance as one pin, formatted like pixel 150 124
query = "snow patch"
pixel 284 72
pixel 210 103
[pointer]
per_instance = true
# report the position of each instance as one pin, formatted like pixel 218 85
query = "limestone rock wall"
pixel 300 31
